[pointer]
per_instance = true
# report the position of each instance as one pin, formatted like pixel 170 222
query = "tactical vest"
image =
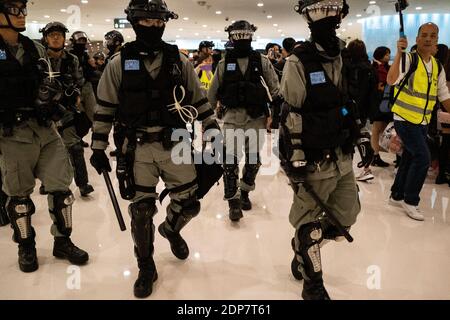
pixel 327 115
pixel 19 84
pixel 244 90
pixel 144 101
pixel 66 77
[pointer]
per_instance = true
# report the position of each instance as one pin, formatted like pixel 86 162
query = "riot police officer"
pixel 79 40
pixel 138 88
pixel 319 129
pixel 113 42
pixel 70 75
pixel 30 146
pixel 245 83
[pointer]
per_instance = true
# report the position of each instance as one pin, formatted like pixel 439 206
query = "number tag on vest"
pixel 132 65
pixel 3 55
pixel 231 67
pixel 317 78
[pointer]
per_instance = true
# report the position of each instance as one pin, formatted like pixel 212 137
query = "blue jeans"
pixel 416 160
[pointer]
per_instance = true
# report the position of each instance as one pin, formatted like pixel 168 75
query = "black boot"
pixel 235 210
pixel 314 290
pixel 295 264
pixel 309 237
pixel 378 162
pixel 28 261
pixel 64 249
pixel 86 190
pixel 143 287
pixel 42 190
pixel 178 245
pixel 246 204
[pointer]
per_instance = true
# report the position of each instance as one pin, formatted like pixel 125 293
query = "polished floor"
pixel 393 257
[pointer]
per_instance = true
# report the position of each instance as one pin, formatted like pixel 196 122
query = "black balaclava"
pixel 79 48
pixel 323 32
pixel 149 38
pixel 242 48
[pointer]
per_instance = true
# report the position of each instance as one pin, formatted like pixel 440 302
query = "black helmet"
pixel 4 3
pixel 79 35
pixel 205 44
pixel 315 10
pixel 54 26
pixel 114 36
pixel 99 55
pixel 148 9
pixel 241 30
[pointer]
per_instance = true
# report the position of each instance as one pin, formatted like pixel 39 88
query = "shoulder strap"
pixel 413 68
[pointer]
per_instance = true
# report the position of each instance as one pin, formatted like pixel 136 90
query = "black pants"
pixel 444 157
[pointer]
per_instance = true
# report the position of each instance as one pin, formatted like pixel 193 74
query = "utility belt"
pixel 125 161
pixel 254 112
pixel 9 120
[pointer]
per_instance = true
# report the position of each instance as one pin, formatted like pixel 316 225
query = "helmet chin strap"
pixel 56 49
pixel 10 25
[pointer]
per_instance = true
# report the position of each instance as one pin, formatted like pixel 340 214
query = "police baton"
pixel 115 203
pixel 328 212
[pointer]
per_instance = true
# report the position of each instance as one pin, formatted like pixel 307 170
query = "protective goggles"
pixel 16 11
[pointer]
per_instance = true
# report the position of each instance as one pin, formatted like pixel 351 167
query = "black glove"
pixel 366 152
pixel 297 174
pixel 100 161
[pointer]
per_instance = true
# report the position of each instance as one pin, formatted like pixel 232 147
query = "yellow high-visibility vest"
pixel 206 79
pixel 417 99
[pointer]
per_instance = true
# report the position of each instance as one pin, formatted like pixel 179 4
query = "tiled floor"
pixel 393 257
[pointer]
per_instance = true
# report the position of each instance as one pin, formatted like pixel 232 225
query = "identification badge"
pixel 132 65
pixel 231 67
pixel 317 78
pixel 3 55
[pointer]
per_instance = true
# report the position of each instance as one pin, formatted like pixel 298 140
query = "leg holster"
pixel 308 239
pixel 230 179
pixel 251 171
pixel 79 164
pixel 142 228
pixel 62 202
pixel 178 219
pixel 20 211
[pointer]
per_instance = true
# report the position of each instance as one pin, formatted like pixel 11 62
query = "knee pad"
pixel 230 179
pixel 143 210
pixel 190 208
pixel 20 211
pixel 62 211
pixel 142 228
pixel 309 237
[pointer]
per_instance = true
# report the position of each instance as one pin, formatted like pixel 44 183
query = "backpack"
pixel 389 97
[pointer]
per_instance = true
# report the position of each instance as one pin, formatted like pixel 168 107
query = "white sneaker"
pixel 413 212
pixel 395 203
pixel 365 175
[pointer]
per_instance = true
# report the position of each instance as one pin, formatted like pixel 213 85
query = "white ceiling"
pixel 204 22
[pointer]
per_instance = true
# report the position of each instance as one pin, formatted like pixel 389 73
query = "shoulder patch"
pixel 317 78
pixel 132 65
pixel 3 55
pixel 231 67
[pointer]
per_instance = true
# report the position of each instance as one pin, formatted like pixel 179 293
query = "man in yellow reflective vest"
pixel 416 92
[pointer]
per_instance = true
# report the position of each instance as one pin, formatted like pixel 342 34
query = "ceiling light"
pixel 177 36
pixel 181 29
pixel 275 24
pixel 84 1
pixel 185 18
pixel 34 21
pixel 46 17
pixel 218 12
pixel 359 15
pixel 89 24
pixel 283 35
pixel 196 33
pixel 108 20
pixel 63 10
pixel 260 4
pixel 205 26
pixel 419 8
pixel 372 2
pixel 269 17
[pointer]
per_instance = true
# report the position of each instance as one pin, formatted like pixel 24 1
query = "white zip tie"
pixel 187 113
